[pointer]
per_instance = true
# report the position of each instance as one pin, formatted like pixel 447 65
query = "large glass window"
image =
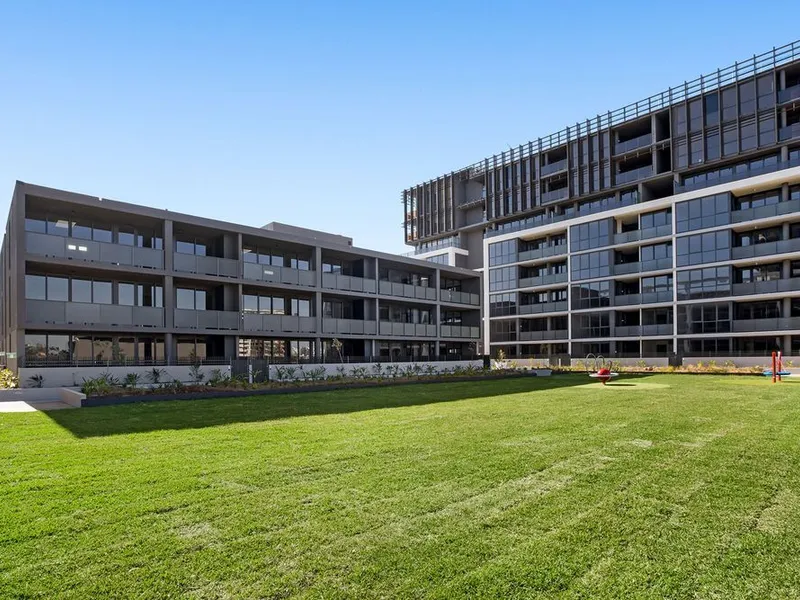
pixel 592 325
pixel 591 295
pixel 704 248
pixel 190 299
pixel 711 106
pixel 661 283
pixel 702 213
pixel 301 307
pixel 501 305
pixel 656 219
pixel 588 236
pixel 504 278
pixel 756 273
pixel 704 318
pixel 711 282
pixel 656 252
pixel 501 253
pixel 591 265
pixel 757 200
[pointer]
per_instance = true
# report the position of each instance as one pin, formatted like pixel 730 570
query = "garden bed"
pixel 114 395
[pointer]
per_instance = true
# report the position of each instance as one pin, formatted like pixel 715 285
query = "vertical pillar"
pixel 169 348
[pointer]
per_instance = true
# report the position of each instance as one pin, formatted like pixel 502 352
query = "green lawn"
pixel 665 486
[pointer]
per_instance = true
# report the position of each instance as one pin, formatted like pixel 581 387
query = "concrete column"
pixel 169 302
pixel 318 293
pixel 231 343
pixel 318 349
pixel 786 266
pixel 169 246
pixel 169 348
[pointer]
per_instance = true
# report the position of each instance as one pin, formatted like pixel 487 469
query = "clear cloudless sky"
pixel 320 113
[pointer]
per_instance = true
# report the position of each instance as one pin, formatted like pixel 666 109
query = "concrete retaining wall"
pixel 33 395
pixel 55 377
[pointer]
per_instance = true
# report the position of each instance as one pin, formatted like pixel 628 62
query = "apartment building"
pixel 667 227
pixel 92 281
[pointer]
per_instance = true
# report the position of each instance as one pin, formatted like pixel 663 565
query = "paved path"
pixel 14 406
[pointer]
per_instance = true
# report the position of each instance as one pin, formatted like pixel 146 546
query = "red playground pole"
pixel 774 369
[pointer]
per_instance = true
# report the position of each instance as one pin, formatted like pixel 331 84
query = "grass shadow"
pixel 180 414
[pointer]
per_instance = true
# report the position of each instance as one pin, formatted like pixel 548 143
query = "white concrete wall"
pixel 331 369
pixel 55 377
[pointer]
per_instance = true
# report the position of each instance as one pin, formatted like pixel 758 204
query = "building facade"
pixel 91 281
pixel 670 226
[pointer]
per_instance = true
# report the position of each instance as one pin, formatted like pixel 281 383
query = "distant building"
pixel 671 225
pixel 90 281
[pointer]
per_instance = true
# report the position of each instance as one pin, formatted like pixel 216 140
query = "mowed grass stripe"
pixel 515 488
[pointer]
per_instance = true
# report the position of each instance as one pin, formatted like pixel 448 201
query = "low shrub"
pixel 8 380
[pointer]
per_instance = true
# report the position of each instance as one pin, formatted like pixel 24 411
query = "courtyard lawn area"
pixel 666 486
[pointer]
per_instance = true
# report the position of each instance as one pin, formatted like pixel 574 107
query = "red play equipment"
pixel 599 369
pixel 777 368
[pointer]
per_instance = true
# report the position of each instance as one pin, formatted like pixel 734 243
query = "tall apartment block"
pixel 90 281
pixel 671 225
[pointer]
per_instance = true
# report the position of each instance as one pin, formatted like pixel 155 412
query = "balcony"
pixel 543 252
pixel 660 329
pixel 545 307
pixel 42 244
pixel 627 237
pixel 627 300
pixel 658 264
pixel 765 249
pixel 627 331
pixel 633 175
pixel 789 132
pixel 633 144
pixel 559 165
pixel 766 287
pixel 407 329
pixel 106 315
pixel 253 322
pixel 551 279
pixel 656 297
pixel 349 326
pixel 554 195
pixel 656 232
pixel 460 331
pixel 761 325
pixel 405 290
pixel 741 172
pixel 456 297
pixel 647 298
pixel 348 283
pixel 765 212
pixel 206 319
pixel 205 265
pixel 626 268
pixel 789 94
pixel 543 336
pixel 270 274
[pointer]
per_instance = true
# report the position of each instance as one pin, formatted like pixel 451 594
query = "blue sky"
pixel 319 113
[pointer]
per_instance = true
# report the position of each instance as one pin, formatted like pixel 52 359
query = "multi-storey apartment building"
pixel 88 280
pixel 668 226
